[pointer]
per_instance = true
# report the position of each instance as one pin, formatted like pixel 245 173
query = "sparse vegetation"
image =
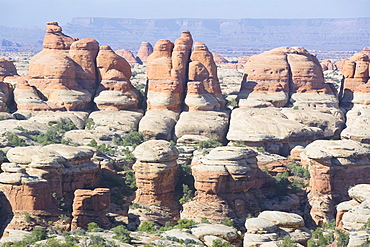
pixel 14 140
pixel 147 227
pixel 219 243
pixel 210 143
pixel 187 194
pixel 122 234
pixel 133 138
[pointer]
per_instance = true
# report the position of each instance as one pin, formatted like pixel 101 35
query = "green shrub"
pixel 122 234
pixel 287 242
pixel 220 243
pixel 147 227
pixel 187 194
pixel 98 241
pixel 133 138
pixel 184 223
pixel 54 134
pixel 14 140
pixel 210 143
pixel 228 222
pixel 93 227
pixel 89 125
pixel 261 149
pixel 103 148
pixel 27 217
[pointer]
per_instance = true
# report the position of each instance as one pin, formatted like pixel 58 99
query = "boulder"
pixel 270 226
pixel 158 124
pixel 211 124
pixel 277 135
pixel 357 124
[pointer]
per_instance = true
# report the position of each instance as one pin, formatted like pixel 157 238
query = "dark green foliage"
pixel 89 125
pixel 261 149
pixel 37 234
pixel 54 134
pixel 147 227
pixel 219 243
pixel 122 234
pixel 184 223
pixel 210 143
pixel 167 226
pixel 93 227
pixel 228 222
pixel 98 241
pixel 130 179
pixel 205 220
pixel 187 194
pixel 14 140
pixel 129 155
pixel 133 138
pixel 103 148
pixel 287 242
pixel 326 235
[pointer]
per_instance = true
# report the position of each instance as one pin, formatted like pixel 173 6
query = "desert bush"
pixel 14 140
pixel 147 227
pixel 210 143
pixel 219 243
pixel 187 194
pixel 122 234
pixel 133 138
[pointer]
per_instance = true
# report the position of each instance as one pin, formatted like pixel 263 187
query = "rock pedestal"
pixel 156 172
pixel 144 51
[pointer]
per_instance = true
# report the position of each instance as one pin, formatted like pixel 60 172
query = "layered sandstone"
pixel 83 52
pixel 156 171
pixel 166 69
pixel 334 166
pixel 353 215
pixel 356 74
pixel 90 206
pixel 128 56
pixel 224 182
pixel 276 76
pixel 115 91
pixel 144 51
pixel 55 76
pixel 158 124
pixel 7 69
pixel 282 131
pixel 272 226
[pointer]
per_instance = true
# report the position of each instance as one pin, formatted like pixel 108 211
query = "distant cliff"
pixel 224 36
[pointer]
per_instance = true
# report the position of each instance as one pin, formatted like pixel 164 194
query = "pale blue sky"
pixel 18 13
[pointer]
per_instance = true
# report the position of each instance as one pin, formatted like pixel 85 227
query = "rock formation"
pixel 219 60
pixel 334 166
pixel 276 76
pixel 224 181
pixel 144 51
pixel 128 56
pixel 156 171
pixel 115 91
pixel 55 39
pixel 90 206
pixel 327 64
pixel 7 69
pixel 83 52
pixel 272 226
pixel 353 215
pixel 203 99
pixel 55 75
pixel 38 178
pixel 356 74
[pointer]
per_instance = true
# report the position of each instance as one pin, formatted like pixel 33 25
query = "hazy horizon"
pixel 35 13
